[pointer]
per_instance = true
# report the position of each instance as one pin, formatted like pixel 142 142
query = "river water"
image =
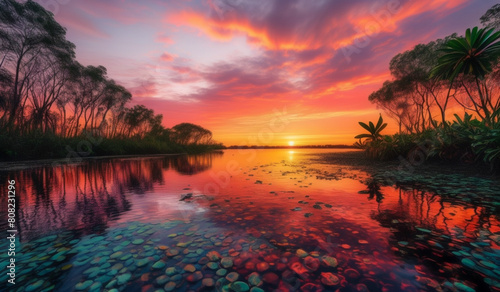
pixel 265 220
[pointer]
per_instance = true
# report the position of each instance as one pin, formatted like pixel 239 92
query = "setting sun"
pixel 291 143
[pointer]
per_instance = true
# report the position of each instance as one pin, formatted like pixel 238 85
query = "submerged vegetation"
pixel 51 105
pixel 431 81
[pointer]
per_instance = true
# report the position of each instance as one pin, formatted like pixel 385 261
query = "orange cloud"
pixel 356 82
pixel 340 29
pixel 413 8
pixel 226 29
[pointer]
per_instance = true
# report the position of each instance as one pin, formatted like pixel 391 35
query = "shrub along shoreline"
pixel 37 145
pixel 464 141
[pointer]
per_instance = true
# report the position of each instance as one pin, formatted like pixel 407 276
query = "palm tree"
pixel 373 130
pixel 472 55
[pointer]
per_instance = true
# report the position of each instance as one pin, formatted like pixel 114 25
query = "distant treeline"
pixel 46 94
pixel 292 147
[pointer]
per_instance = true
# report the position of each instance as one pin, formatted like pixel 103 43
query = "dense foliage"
pixel 48 100
pixel 461 73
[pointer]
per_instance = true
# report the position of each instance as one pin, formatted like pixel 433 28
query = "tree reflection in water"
pixel 429 210
pixel 373 189
pixel 434 230
pixel 85 197
pixel 192 164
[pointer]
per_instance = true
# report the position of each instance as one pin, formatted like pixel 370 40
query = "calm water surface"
pixel 266 220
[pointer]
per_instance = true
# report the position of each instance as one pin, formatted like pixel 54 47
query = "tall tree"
pixel 392 97
pixel 471 56
pixel 115 97
pixel 491 18
pixel 140 121
pixel 27 32
pixel 412 98
pixel 48 86
pixel 87 88
pixel 5 85
pixel 413 68
pixel 187 133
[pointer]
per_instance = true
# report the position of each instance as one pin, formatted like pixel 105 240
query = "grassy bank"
pixel 39 145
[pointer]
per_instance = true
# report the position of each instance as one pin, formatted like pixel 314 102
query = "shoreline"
pixel 359 160
pixel 355 159
pixel 21 164
pixel 294 147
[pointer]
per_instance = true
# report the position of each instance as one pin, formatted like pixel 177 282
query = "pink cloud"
pixel 144 89
pixel 166 57
pixel 162 38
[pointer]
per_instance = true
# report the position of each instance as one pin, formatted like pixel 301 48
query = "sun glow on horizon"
pixel 291 143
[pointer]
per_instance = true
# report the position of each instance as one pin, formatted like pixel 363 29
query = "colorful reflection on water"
pixel 266 220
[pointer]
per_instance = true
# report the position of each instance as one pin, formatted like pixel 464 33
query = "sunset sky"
pixel 260 72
